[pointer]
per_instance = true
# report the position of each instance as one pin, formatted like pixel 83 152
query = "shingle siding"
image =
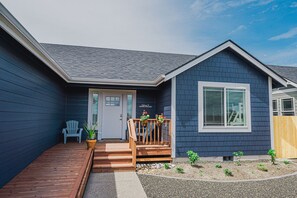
pixel 146 97
pixel 32 107
pixel 222 67
pixel 164 99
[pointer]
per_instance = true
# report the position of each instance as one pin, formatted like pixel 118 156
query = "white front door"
pixel 112 121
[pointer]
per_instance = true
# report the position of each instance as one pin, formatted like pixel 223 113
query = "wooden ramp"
pixel 61 171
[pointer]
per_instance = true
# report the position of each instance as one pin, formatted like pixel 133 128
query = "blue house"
pixel 217 102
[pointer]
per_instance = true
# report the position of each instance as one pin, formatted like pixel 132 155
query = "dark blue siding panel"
pixel 77 105
pixel 148 98
pixel 164 99
pixel 32 108
pixel 223 67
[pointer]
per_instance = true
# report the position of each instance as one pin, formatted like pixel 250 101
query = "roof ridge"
pixel 71 45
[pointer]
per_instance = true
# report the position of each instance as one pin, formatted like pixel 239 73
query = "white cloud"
pixel 131 24
pixel 282 57
pixel 238 29
pixel 206 8
pixel 293 5
pixel 290 34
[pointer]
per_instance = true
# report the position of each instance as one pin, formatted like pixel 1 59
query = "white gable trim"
pixel 19 33
pixel 220 48
pixel 9 24
pixel 291 83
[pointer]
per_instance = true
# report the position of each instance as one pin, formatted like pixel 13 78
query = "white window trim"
pixel 281 105
pixel 277 105
pixel 223 129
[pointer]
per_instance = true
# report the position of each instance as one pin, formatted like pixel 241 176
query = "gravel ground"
pixel 207 171
pixel 168 187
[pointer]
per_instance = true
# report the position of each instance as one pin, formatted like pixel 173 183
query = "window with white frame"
pixel 224 107
pixel 287 107
pixel 275 107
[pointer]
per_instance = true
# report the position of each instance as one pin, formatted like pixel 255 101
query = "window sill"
pixel 225 130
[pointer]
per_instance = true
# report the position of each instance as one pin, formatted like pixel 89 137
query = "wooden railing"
pixel 151 133
pixel 132 140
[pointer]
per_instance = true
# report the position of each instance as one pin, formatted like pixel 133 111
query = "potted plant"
pixel 91 135
pixel 144 118
pixel 160 119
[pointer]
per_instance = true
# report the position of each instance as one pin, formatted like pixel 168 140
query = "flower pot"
pixel 91 144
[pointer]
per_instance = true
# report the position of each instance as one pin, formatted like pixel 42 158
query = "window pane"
pixel 213 104
pixel 112 101
pixel 288 113
pixel 287 104
pixel 275 113
pixel 129 106
pixel 274 104
pixel 95 108
pixel 236 107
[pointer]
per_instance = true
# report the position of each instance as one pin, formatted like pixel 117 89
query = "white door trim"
pixel 100 107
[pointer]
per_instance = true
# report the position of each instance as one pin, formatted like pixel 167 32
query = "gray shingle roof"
pixel 287 72
pixel 115 64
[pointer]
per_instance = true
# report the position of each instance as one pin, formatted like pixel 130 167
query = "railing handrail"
pixel 132 140
pixel 151 119
pixel 131 130
pixel 152 132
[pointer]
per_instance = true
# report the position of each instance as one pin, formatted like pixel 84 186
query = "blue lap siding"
pixel 225 66
pixel 32 107
pixel 77 105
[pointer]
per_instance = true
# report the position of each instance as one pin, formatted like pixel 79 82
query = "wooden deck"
pixel 61 171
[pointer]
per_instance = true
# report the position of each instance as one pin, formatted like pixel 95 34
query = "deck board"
pixel 61 171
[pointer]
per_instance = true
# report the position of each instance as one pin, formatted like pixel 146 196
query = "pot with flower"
pixel 91 135
pixel 160 119
pixel 144 118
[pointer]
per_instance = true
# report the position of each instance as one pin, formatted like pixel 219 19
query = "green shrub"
pixel 287 162
pixel 228 172
pixel 180 170
pixel 272 154
pixel 193 157
pixel 218 166
pixel 262 167
pixel 166 166
pixel 237 155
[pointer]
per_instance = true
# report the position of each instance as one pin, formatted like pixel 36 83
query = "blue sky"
pixel 265 28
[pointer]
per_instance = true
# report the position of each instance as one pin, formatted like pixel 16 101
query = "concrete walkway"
pixel 118 184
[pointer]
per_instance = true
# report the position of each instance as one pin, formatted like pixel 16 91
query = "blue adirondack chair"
pixel 72 130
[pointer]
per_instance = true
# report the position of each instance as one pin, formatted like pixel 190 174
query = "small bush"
pixel 287 162
pixel 228 172
pixel 166 166
pixel 237 155
pixel 193 157
pixel 272 154
pixel 262 167
pixel 218 166
pixel 180 170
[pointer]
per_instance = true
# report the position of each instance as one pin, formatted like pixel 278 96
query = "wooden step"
pixel 153 151
pixel 116 157
pixel 99 168
pixel 154 159
pixel 113 152
pixel 107 159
